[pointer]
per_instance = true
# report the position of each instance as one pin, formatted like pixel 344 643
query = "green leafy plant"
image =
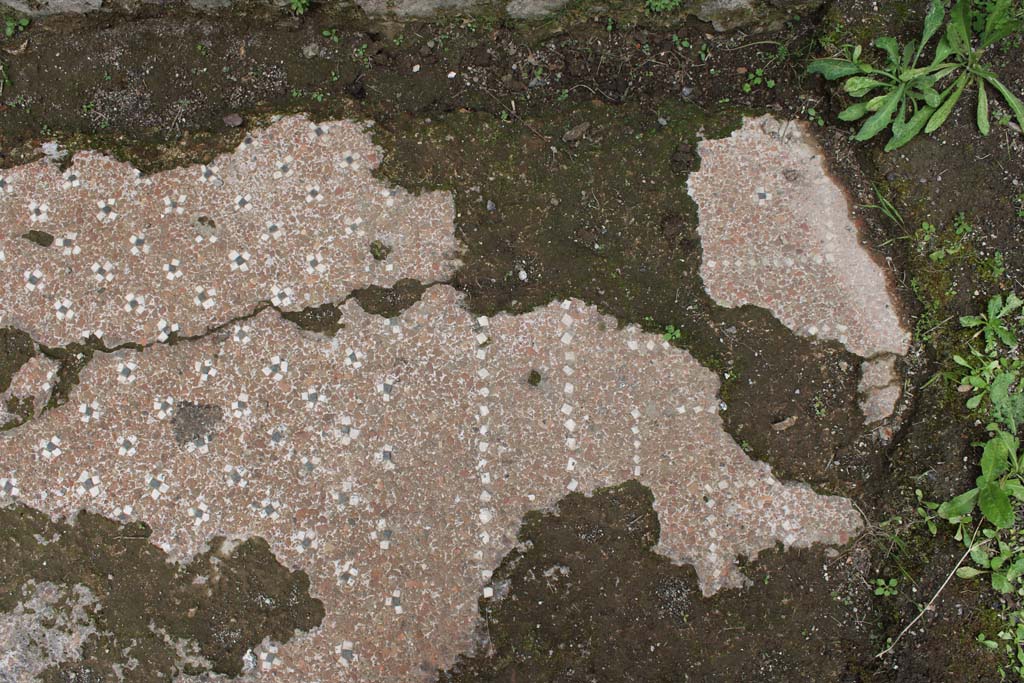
pixel 968 35
pixel 995 323
pixel 756 78
pixel 907 98
pixel 299 7
pixel 672 333
pixel 994 543
pixel 886 588
pixel 12 25
pixel 656 6
pixel 993 380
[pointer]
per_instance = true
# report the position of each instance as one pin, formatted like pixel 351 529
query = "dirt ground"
pixel 566 144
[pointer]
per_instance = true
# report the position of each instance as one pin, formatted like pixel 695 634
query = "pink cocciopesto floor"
pixel 393 462
pixel 776 232
pixel 288 217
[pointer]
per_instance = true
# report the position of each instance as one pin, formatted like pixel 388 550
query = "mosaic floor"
pixel 394 461
pixel 776 232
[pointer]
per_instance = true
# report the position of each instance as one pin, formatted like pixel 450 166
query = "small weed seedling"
pixel 681 43
pixel 331 34
pixel 299 7
pixel 757 78
pixel 886 588
pixel 815 117
pixel 13 26
pixel 672 333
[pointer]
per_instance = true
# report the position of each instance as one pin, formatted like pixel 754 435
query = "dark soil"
pixel 585 598
pixel 566 145
pixel 224 602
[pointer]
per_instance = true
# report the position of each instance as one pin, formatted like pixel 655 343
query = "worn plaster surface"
pixel 393 462
pixel 49 624
pixel 879 388
pixel 776 232
pixel 30 387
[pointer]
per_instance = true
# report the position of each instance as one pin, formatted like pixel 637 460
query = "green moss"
pixel 379 250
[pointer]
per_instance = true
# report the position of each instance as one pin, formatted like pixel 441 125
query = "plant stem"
pixel 934 597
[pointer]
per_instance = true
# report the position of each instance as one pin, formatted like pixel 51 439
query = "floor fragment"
pixel 394 462
pixel 292 217
pixel 777 233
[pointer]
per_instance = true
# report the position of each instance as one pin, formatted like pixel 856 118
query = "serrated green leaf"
pixel 973 402
pixel 909 51
pixel 875 103
pixel 931 97
pixel 1000 582
pixel 832 68
pixel 859 86
pixel 995 458
pixel 910 129
pixel 891 47
pixel 942 51
pixel 1006 336
pixel 932 22
pixel 881 118
pixel 959 506
pixel 999 389
pixel 995 304
pixel 958 30
pixel 1015 489
pixel 1011 100
pixel 995 505
pixel 1014 571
